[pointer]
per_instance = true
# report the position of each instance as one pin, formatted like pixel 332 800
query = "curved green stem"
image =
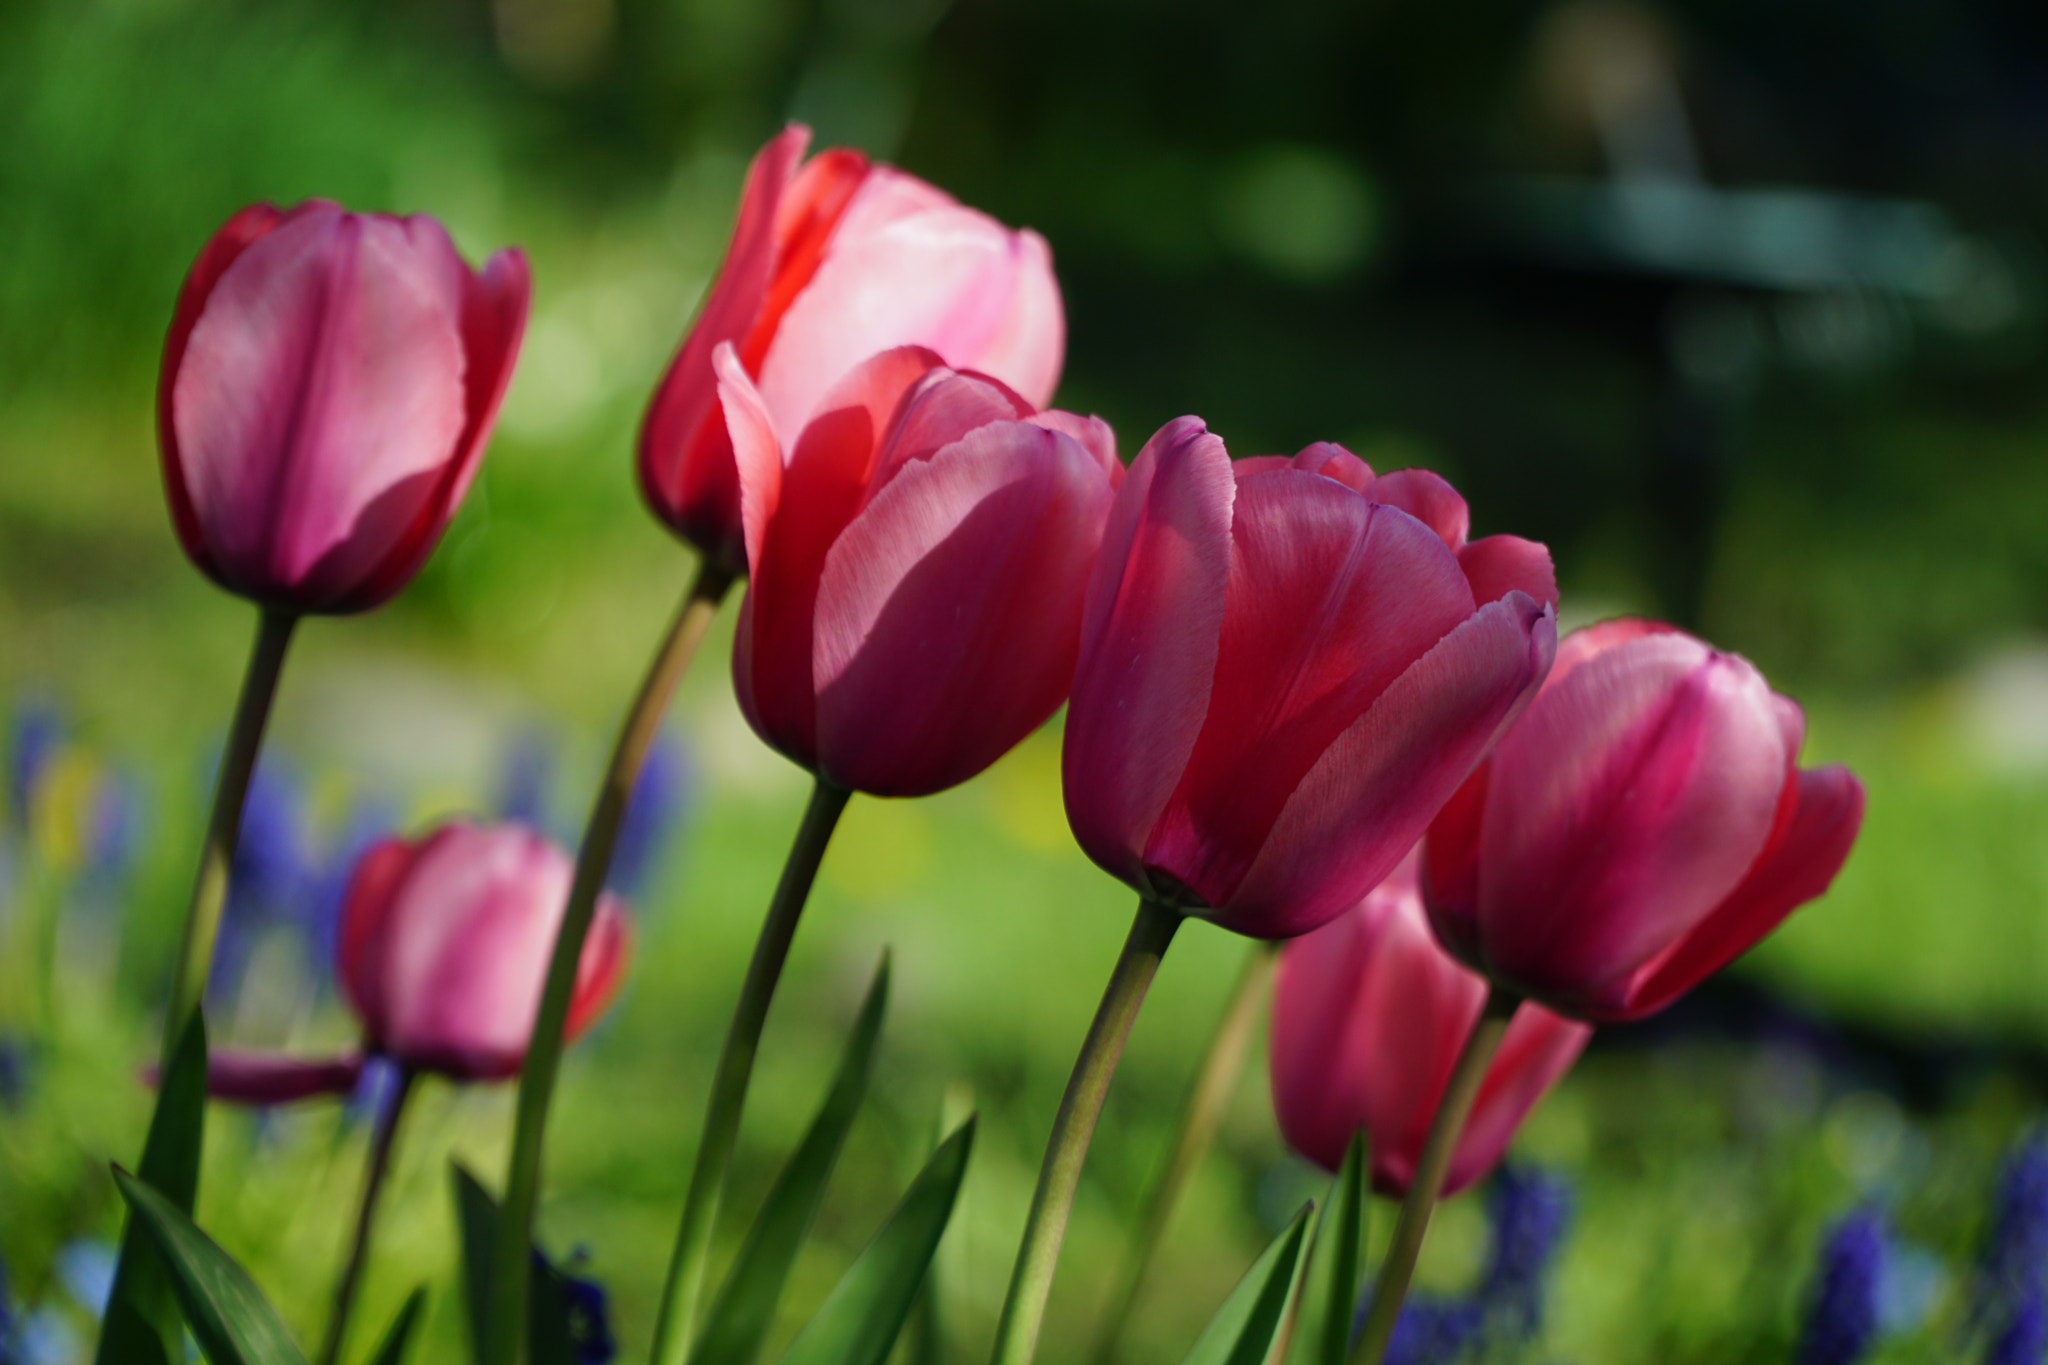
pixel 676 1325
pixel 379 1163
pixel 224 828
pixel 1072 1128
pixel 1215 1083
pixel 1451 1111
pixel 511 1269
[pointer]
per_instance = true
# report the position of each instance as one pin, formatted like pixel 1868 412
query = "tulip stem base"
pixel 675 1328
pixel 224 827
pixel 382 1141
pixel 1215 1083
pixel 1074 1126
pixel 1460 1091
pixel 511 1270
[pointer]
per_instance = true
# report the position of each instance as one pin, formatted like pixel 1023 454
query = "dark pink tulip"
pixel 328 383
pixel 1286 668
pixel 1369 1015
pixel 915 572
pixel 833 260
pixel 444 946
pixel 1641 826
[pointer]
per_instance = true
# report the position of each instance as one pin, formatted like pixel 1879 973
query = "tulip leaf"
pixel 142 1324
pixel 745 1307
pixel 392 1350
pixel 865 1312
pixel 548 1340
pixel 1244 1328
pixel 1322 1333
pixel 234 1323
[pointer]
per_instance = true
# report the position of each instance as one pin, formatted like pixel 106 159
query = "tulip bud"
pixel 1369 1016
pixel 916 572
pixel 444 947
pixel 1286 668
pixel 831 262
pixel 328 383
pixel 1641 826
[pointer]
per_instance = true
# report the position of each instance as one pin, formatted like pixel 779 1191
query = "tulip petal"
pixel 940 408
pixel 1150 625
pixel 820 491
pixel 1372 792
pixel 1590 642
pixel 1095 436
pixel 756 450
pixel 272 1078
pixel 948 617
pixel 1331 598
pixel 1449 869
pixel 1498 565
pixel 1332 461
pixel 1796 869
pixel 907 266
pixel 365 925
pixel 601 967
pixel 685 460
pixel 1031 344
pixel 324 375
pixel 1428 498
pixel 1538 1049
pixel 1627 804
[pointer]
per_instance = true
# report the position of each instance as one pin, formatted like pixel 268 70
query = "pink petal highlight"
pixel 1433 502
pixel 1498 565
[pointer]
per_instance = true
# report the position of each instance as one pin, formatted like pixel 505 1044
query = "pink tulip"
pixel 1285 669
pixel 915 572
pixel 1641 826
pixel 328 383
pixel 444 946
pixel 1369 1015
pixel 831 262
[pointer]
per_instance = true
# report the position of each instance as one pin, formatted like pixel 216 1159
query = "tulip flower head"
pixel 1369 1015
pixel 1643 824
pixel 444 946
pixel 916 569
pixel 1286 667
pixel 328 383
pixel 831 261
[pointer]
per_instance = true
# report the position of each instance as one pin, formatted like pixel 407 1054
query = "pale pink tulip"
pixel 444 946
pixel 328 383
pixel 916 567
pixel 832 261
pixel 1286 668
pixel 1641 826
pixel 1369 1015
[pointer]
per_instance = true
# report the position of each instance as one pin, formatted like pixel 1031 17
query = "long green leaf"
pixel 861 1318
pixel 142 1325
pixel 745 1308
pixel 234 1323
pixel 1243 1330
pixel 391 1351
pixel 547 1315
pixel 1322 1334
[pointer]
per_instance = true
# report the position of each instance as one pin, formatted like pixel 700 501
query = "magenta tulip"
pixel 1641 826
pixel 1286 668
pixel 444 945
pixel 328 383
pixel 916 571
pixel 1368 1017
pixel 831 262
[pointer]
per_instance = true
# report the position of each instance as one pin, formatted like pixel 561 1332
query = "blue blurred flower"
pixel 8 1355
pixel 34 734
pixel 270 879
pixel 376 1091
pixel 1842 1318
pixel 14 1079
pixel 2015 1254
pixel 113 833
pixel 526 787
pixel 659 796
pixel 1436 1331
pixel 47 1338
pixel 85 1267
pixel 590 1327
pixel 1531 1211
pixel 2024 1340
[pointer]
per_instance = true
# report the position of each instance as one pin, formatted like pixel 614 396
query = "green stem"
pixel 1215 1084
pixel 1072 1128
pixel 373 1182
pixel 231 789
pixel 506 1320
pixel 1428 1181
pixel 675 1327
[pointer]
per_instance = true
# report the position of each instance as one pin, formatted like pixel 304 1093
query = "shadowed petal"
pixel 1498 565
pixel 272 1078
pixel 1433 502
pixel 364 927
